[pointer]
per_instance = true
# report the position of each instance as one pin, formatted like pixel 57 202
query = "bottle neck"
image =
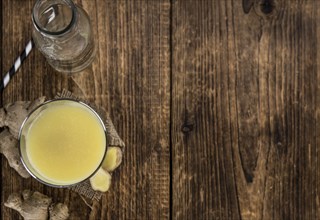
pixel 54 17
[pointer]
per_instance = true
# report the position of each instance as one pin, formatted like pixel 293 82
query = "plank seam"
pixel 170 114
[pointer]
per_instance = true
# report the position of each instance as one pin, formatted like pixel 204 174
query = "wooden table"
pixel 217 102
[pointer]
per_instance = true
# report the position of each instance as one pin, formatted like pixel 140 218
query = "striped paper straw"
pixel 16 66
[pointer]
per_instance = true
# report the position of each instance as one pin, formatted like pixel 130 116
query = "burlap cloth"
pixel 113 139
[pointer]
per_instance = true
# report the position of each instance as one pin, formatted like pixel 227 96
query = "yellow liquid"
pixel 66 143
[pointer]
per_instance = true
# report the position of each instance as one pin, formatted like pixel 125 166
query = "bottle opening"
pixel 54 17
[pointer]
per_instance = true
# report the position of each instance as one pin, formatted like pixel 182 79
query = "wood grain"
pixel 133 42
pixel 217 102
pixel 245 110
pixel 130 78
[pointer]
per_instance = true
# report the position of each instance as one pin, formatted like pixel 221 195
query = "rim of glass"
pixel 39 28
pixel 29 115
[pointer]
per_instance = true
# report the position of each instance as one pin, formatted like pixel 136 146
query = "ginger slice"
pixel 113 159
pixel 101 181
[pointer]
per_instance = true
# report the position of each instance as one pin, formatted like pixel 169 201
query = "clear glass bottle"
pixel 62 32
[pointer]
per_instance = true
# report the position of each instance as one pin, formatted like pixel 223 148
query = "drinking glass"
pixel 57 132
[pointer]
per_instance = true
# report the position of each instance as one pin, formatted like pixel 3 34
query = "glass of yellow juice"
pixel 62 142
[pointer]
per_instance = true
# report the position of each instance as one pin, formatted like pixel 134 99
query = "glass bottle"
pixel 62 32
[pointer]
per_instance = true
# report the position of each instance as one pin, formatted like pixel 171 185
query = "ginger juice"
pixel 64 143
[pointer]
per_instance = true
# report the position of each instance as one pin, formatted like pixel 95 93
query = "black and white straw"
pixel 16 66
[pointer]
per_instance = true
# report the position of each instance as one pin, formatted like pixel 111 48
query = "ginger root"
pixel 101 180
pixel 35 206
pixel 112 159
pixel 13 115
pixel 58 211
pixel 8 147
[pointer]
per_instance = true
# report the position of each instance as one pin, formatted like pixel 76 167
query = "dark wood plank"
pixel 244 106
pixel 245 109
pixel 35 78
pixel 133 84
pixel 130 78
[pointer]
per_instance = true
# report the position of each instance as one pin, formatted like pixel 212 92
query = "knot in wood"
pixel 186 128
pixel 267 8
